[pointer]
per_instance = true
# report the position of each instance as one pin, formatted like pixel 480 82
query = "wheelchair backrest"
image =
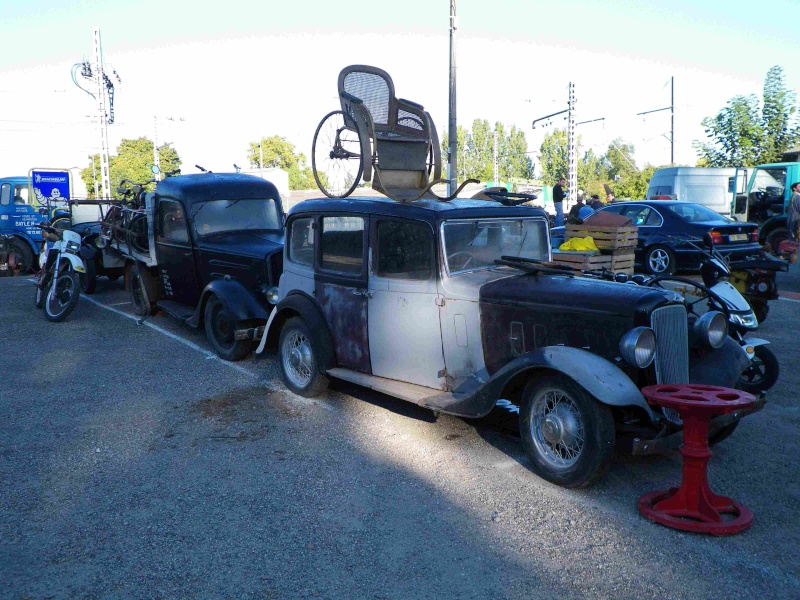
pixel 374 87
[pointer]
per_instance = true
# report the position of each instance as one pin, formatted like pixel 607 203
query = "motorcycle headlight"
pixel 712 328
pixel 273 294
pixel 745 319
pixel 638 347
pixel 73 247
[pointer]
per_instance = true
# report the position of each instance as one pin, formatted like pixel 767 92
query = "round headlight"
pixel 638 346
pixel 712 328
pixel 272 294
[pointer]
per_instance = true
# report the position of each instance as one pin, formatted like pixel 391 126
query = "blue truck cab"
pixel 19 215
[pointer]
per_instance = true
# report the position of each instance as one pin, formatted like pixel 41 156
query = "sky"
pixel 211 78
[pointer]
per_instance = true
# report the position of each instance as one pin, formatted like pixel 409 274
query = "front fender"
pixel 602 379
pixel 238 301
pixel 75 261
pixel 720 367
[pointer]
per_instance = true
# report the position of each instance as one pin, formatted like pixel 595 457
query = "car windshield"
pixel 697 213
pixel 221 216
pixel 476 244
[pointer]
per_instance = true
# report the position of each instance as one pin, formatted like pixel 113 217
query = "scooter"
pixel 719 294
pixel 58 284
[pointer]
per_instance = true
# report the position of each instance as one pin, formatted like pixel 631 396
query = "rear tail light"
pixel 754 236
pixel 716 237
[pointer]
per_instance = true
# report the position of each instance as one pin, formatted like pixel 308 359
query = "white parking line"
pixel 789 299
pixel 185 342
pixel 212 356
pixel 118 304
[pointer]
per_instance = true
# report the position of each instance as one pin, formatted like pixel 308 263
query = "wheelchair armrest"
pixel 410 103
pixel 350 97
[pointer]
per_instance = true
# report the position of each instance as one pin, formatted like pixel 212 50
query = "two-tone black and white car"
pixel 448 305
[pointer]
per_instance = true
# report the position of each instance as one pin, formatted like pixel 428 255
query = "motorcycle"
pixel 717 293
pixel 58 286
pixel 754 278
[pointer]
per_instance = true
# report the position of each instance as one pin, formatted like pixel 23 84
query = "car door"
pixel 405 337
pixel 174 254
pixel 649 222
pixel 340 287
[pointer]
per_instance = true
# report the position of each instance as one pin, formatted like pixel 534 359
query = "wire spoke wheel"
pixel 298 359
pixel 557 428
pixel 336 156
pixel 62 296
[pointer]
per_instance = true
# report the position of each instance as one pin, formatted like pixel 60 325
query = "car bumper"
pixel 689 258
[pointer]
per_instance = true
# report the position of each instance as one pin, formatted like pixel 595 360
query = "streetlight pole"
pixel 261 159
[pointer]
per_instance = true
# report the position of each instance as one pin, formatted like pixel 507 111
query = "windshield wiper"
pixel 532 265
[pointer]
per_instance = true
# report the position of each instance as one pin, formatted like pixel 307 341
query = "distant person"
pixel 588 210
pixel 574 217
pixel 793 220
pixel 596 203
pixel 558 200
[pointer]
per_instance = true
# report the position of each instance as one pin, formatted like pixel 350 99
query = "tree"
pixel 475 149
pixel 554 156
pixel 743 134
pixel 134 162
pixel 279 153
pixel 634 184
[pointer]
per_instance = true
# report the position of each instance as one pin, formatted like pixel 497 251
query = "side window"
pixel 20 194
pixel 301 242
pixel 613 209
pixel 405 250
pixel 653 219
pixel 5 194
pixel 342 243
pixel 172 223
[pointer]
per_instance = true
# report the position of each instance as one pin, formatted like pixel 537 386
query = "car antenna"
pixel 202 169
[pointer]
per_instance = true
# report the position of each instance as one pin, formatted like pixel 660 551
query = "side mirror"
pixel 708 241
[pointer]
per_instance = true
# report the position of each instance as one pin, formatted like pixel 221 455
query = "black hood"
pixel 253 244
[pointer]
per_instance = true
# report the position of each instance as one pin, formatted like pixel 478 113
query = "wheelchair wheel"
pixel 336 157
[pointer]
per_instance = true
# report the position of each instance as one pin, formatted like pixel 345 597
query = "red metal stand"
pixel 693 506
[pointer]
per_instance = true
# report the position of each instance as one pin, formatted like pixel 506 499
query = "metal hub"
pixel 298 359
pixel 556 428
pixel 560 426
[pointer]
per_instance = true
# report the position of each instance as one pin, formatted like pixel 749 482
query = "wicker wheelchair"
pixel 385 140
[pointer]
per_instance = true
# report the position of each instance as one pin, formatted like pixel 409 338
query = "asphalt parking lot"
pixel 135 464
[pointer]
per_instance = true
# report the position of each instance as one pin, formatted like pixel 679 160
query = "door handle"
pixel 361 292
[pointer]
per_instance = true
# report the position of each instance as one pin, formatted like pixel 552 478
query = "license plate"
pixel 737 237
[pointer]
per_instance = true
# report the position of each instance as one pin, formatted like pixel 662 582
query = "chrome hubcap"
pixel 557 428
pixel 659 261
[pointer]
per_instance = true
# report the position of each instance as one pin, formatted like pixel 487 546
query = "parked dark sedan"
pixel 662 224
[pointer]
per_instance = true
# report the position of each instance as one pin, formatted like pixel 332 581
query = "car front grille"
pixel 672 344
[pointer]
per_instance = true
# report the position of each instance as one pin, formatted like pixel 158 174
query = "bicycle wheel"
pixel 336 157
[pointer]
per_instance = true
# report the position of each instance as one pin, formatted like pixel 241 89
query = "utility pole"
pixel 572 150
pixel 102 114
pixel 156 158
pixel 671 109
pixel 261 159
pixel 494 156
pixel 452 153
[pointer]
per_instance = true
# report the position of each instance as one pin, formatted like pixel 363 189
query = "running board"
pixel 409 392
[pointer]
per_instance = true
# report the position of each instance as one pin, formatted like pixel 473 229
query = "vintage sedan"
pixel 664 223
pixel 453 306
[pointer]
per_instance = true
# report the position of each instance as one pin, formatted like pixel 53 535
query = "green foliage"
pixel 475 149
pixel 279 153
pixel 743 134
pixel 634 184
pixel 133 161
pixel 554 156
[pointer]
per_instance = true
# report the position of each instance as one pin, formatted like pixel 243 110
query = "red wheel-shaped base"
pixel 693 506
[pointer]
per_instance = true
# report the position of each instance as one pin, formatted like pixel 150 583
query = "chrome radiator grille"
pixel 672 344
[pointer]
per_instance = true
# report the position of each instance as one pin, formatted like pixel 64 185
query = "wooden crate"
pixel 582 260
pixel 622 261
pixel 605 236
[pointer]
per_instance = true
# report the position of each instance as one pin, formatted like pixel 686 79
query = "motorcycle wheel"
pixel 762 373
pixel 62 296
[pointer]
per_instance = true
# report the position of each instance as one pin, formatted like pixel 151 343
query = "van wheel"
pixel 89 279
pixel 143 290
pixel 774 239
pixel 300 360
pixel 659 260
pixel 568 435
pixel 220 328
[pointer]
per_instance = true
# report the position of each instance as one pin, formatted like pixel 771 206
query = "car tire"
pixel 300 360
pixel 89 279
pixel 220 328
pixel 762 373
pixel 774 239
pixel 568 435
pixel 143 290
pixel 659 260
pixel 23 257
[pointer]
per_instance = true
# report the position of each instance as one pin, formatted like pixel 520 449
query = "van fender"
pixel 598 376
pixel 237 300
pixel 26 239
